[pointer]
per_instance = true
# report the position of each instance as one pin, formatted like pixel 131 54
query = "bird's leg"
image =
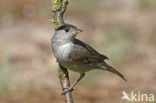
pixel 71 87
pixel 81 76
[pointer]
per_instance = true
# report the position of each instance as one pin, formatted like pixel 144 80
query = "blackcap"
pixel 76 55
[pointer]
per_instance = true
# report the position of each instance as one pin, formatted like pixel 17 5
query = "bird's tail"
pixel 109 68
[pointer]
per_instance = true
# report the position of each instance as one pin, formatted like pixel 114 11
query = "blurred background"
pixel 123 30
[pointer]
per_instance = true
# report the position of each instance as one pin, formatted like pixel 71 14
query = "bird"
pixel 77 56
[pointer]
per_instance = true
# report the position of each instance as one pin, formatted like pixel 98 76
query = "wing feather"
pixel 85 53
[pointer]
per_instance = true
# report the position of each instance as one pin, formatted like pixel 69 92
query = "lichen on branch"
pixel 58 9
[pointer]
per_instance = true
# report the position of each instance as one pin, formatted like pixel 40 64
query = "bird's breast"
pixel 63 51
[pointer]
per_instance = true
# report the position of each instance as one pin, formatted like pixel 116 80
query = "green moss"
pixel 54 20
pixel 64 1
pixel 56 4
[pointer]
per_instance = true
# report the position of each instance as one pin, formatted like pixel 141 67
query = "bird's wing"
pixel 85 54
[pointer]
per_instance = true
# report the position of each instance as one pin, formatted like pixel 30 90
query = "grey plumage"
pixel 76 55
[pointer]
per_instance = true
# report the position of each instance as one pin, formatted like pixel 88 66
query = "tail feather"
pixel 111 69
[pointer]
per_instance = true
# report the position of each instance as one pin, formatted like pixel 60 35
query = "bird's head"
pixel 68 31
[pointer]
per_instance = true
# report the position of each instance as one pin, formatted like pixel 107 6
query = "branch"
pixel 58 9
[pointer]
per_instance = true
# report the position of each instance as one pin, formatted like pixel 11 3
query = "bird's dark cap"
pixel 66 26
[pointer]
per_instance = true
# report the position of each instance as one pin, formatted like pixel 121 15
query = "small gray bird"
pixel 76 55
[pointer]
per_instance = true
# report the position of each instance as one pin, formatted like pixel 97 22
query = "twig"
pixel 58 9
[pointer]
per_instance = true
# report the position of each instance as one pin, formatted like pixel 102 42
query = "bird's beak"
pixel 78 31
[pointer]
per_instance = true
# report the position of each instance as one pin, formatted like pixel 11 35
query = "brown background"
pixel 124 30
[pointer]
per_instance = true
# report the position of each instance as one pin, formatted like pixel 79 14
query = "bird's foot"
pixel 66 90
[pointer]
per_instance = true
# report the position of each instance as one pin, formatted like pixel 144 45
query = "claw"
pixel 66 90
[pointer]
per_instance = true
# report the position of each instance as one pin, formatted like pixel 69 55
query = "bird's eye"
pixel 67 29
